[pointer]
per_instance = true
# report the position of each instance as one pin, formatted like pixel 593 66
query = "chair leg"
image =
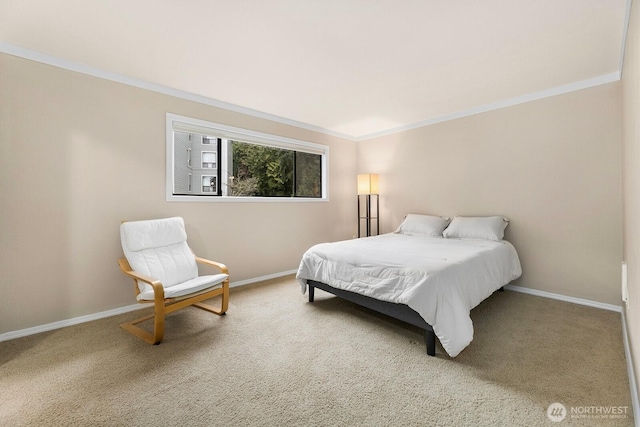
pixel 158 323
pixel 224 303
pixel 154 338
pixel 158 326
pixel 161 310
pixel 225 296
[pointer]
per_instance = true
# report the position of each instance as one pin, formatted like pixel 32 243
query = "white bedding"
pixel 441 279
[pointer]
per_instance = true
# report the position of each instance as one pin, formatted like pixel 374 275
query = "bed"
pixel 430 273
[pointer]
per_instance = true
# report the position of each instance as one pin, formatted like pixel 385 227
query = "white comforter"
pixel 441 279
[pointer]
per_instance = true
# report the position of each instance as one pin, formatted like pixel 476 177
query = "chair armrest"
pixel 158 289
pixel 218 265
pixel 126 269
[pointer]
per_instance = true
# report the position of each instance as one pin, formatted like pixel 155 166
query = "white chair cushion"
pixel 190 286
pixel 166 256
pixel 155 233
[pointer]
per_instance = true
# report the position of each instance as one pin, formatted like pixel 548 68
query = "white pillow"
pixel 423 225
pixel 477 227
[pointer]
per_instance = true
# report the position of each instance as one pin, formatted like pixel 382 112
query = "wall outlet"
pixel 625 289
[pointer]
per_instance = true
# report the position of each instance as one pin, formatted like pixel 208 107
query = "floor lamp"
pixel 368 212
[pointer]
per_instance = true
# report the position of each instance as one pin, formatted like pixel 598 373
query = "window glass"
pixel 233 163
pixel 261 171
pixel 308 174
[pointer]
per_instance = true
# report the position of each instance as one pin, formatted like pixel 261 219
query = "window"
pixel 209 184
pixel 241 165
pixel 259 170
pixel 209 159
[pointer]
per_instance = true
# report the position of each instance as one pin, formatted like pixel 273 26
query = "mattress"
pixel 440 278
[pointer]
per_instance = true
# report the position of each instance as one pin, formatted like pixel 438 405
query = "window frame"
pixel 176 122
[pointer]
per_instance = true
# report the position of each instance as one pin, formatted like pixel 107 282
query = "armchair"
pixel 165 273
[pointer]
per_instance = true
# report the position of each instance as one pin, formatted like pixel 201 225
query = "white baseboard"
pixel 69 322
pixel 633 386
pixel 262 278
pixel 560 297
pixel 88 318
pixel 627 350
pixel 76 320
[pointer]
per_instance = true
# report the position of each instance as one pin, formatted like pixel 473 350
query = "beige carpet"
pixel 276 360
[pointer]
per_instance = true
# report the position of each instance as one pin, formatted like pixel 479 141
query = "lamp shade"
pixel 367 184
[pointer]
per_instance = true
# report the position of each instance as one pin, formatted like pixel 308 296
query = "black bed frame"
pixel 397 311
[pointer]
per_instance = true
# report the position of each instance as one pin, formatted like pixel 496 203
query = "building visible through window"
pixel 232 162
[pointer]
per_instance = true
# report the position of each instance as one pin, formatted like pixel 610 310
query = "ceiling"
pixel 354 68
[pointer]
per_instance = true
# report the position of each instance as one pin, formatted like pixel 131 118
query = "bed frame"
pixel 397 311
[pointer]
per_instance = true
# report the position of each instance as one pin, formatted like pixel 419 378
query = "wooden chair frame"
pixel 164 306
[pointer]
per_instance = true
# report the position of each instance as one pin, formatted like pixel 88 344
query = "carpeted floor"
pixel 277 360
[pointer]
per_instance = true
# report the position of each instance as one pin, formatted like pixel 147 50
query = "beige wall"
pixel 79 154
pixel 631 180
pixel 553 166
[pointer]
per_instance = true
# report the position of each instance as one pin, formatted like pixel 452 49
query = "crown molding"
pixel 32 55
pixel 78 67
pixel 625 31
pixel 571 87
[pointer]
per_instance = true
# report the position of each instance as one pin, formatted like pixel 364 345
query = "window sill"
pixel 239 199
